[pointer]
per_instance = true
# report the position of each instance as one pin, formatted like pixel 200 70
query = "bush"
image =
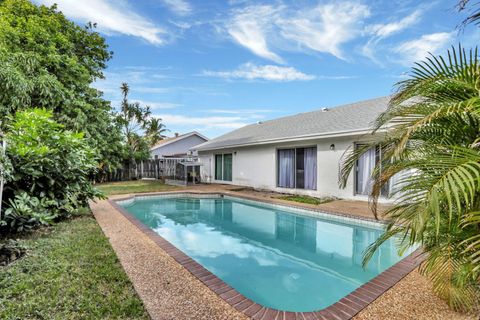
pixel 51 170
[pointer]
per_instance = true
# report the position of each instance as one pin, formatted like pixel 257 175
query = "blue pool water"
pixel 271 254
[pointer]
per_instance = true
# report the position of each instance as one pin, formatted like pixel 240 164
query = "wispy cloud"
pixel 180 7
pixel 250 26
pixel 111 17
pixel 381 31
pixel 322 28
pixel 250 71
pixel 418 49
pixel 326 27
pixel 384 30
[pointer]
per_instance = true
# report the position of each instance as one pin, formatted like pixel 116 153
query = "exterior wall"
pixel 256 166
pixel 177 147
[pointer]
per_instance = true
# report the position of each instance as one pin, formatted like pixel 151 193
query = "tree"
pixel 155 131
pixel 134 118
pixel 432 149
pixel 49 62
pixel 50 175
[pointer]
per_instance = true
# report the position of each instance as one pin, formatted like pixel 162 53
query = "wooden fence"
pixel 162 168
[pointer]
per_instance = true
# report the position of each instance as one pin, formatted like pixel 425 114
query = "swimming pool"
pixel 279 257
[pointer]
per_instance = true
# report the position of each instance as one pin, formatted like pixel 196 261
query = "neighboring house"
pixel 299 154
pixel 177 146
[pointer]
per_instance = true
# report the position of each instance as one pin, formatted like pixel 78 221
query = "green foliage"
pixel 69 272
pixel 49 62
pixel 306 199
pixel 133 119
pixel 52 168
pixel 433 146
pixel 155 131
pixel 26 212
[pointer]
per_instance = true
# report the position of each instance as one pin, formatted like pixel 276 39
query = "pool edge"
pixel 345 308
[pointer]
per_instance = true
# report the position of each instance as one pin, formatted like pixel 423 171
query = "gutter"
pixel 297 138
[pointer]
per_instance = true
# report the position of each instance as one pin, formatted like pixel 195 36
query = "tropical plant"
pixel 47 61
pixel 51 174
pixel 155 130
pixel 139 128
pixel 430 135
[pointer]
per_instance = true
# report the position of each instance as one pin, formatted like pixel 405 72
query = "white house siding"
pixel 255 166
pixel 181 146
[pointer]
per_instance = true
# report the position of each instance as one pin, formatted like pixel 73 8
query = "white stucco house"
pixel 177 146
pixel 298 154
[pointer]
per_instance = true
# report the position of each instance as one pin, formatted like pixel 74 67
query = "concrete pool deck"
pixel 170 291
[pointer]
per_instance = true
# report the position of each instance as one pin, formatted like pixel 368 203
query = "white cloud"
pixel 323 28
pixel 382 31
pixel 180 7
pixel 418 49
pixel 249 28
pixel 250 71
pixel 202 122
pixel 326 27
pixel 388 29
pixel 111 17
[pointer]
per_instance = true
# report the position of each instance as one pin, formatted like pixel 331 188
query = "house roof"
pixel 167 141
pixel 354 118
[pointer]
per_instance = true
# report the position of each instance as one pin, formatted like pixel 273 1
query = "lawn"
pixel 69 272
pixel 306 199
pixel 134 186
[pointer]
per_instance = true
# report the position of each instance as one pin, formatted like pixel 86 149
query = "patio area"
pixel 170 291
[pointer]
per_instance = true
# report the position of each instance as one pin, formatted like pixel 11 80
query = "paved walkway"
pixel 169 291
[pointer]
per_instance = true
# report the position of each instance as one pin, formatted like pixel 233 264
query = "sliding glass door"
pixel 223 167
pixel 364 170
pixel 297 168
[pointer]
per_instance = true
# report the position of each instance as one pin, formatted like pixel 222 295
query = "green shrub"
pixel 51 170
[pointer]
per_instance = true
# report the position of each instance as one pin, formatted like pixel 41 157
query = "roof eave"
pixel 297 138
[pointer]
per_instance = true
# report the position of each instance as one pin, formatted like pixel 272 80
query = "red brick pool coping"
pixel 345 308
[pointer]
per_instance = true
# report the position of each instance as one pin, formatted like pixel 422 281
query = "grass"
pixel 134 186
pixel 70 271
pixel 306 199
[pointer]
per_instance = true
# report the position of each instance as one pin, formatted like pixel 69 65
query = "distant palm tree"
pixel 432 150
pixel 155 130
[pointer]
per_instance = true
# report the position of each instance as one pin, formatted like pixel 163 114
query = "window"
pixel 364 170
pixel 297 168
pixel 223 167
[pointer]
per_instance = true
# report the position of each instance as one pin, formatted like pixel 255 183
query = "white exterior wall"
pixel 255 166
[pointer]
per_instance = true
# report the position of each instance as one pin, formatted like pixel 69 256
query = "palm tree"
pixel 155 130
pixel 432 150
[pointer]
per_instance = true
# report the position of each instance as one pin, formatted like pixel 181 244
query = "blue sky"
pixel 213 66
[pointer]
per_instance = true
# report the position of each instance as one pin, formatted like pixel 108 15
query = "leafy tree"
pixel 432 148
pixel 49 62
pixel 50 176
pixel 155 131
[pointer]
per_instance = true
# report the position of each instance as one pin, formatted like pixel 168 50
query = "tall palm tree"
pixel 432 150
pixel 155 130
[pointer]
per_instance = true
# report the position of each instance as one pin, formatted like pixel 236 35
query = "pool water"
pixel 271 254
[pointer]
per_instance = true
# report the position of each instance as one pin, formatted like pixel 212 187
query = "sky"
pixel 214 66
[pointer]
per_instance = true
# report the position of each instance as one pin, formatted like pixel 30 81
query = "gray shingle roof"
pixel 352 117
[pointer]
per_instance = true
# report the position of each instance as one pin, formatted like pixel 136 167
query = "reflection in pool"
pixel 270 254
